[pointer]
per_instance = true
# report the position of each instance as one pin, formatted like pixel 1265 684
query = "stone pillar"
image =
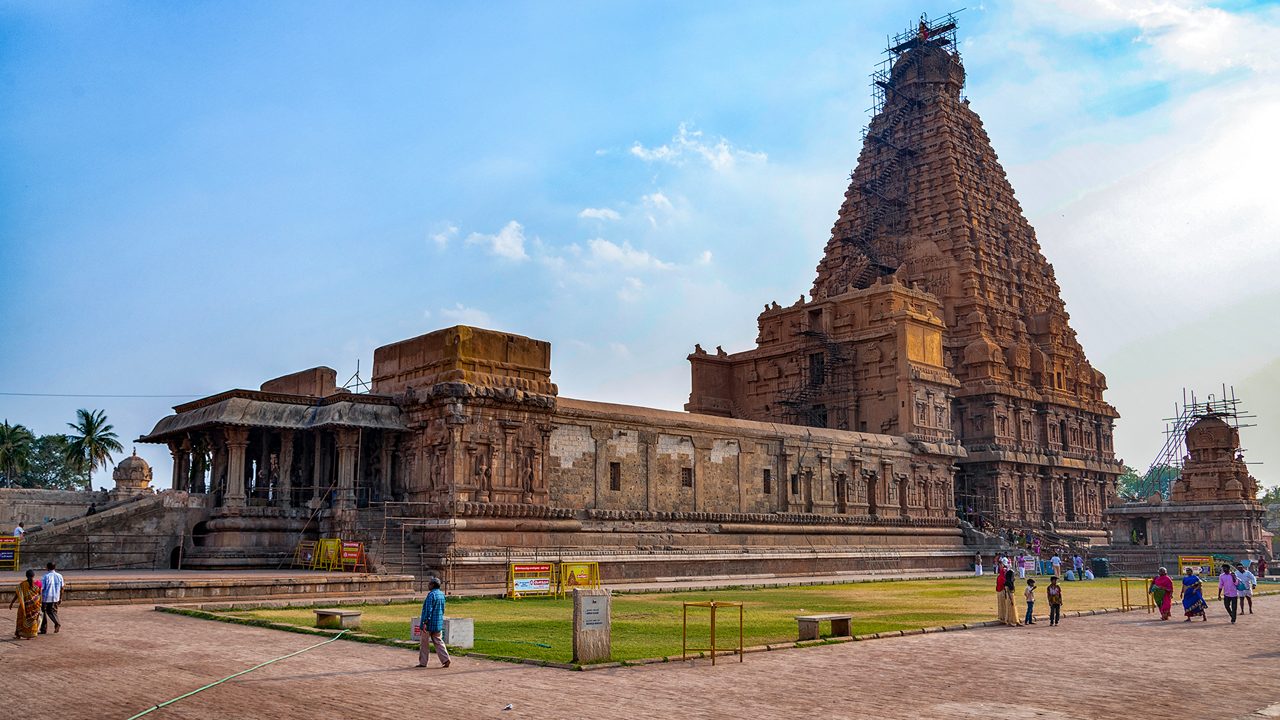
pixel 348 441
pixel 237 439
pixel 217 473
pixel 650 442
pixel 600 468
pixel 701 459
pixel 284 484
pixel 384 465
pixel 179 459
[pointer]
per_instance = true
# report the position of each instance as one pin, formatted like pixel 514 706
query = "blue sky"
pixel 205 195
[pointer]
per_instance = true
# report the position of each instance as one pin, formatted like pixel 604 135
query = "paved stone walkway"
pixel 114 661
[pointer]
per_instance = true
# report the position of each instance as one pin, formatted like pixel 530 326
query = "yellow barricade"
pixel 304 553
pixel 328 555
pixel 534 578
pixel 578 575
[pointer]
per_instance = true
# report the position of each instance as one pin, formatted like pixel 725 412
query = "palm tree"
pixel 15 450
pixel 92 443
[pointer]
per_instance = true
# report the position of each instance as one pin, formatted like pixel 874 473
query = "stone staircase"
pixel 134 533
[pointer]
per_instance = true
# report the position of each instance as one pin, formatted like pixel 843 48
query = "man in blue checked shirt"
pixel 432 625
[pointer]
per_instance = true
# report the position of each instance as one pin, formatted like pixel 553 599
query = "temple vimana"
pixel 930 378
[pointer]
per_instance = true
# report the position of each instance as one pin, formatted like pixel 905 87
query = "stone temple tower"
pixel 929 209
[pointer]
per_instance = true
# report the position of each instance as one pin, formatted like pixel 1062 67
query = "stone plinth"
pixel 459 632
pixel 592 626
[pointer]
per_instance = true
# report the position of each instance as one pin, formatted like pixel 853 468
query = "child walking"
pixel 1054 593
pixel 1030 595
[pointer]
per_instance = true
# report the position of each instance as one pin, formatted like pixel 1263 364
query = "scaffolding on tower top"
pixel 940 33
pixel 1167 466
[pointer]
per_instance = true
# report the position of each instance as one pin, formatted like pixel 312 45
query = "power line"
pixel 76 395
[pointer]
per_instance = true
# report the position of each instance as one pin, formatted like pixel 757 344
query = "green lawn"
pixel 648 625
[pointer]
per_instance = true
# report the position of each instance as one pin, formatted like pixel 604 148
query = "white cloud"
pixel 599 214
pixel 720 154
pixel 704 258
pixel 442 238
pixel 620 350
pixel 508 243
pixel 1185 35
pixel 606 253
pixel 631 290
pixel 657 201
pixel 463 315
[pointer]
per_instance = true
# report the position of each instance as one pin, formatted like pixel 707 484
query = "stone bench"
pixel 334 619
pixel 841 625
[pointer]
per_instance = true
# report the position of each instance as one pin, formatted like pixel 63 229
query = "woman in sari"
pixel 1193 603
pixel 1009 614
pixel 27 597
pixel 1162 593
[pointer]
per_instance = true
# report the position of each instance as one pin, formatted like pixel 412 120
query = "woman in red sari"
pixel 27 597
pixel 1162 592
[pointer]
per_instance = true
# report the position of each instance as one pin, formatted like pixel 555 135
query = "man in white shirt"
pixel 1250 582
pixel 19 531
pixel 50 596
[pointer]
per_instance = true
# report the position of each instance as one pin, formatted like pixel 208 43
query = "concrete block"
pixel 459 632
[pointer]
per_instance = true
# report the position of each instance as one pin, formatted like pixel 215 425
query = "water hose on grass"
pixel 236 675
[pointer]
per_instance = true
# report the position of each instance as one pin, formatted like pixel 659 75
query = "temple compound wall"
pixel 465 443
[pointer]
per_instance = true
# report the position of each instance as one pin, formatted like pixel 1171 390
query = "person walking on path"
pixel 1162 592
pixel 977 564
pixel 1229 591
pixel 1022 566
pixel 1056 562
pixel 1054 593
pixel 27 597
pixel 1262 567
pixel 1077 564
pixel 1030 596
pixel 432 625
pixel 1250 582
pixel 1193 603
pixel 50 596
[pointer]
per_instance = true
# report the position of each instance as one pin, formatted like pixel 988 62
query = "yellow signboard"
pixel 1202 563
pixel 10 549
pixel 534 578
pixel 578 575
pixel 328 554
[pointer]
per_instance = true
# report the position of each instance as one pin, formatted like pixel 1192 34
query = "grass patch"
pixel 649 625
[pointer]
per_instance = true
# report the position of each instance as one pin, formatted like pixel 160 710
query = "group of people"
pixel 1079 566
pixel 37 601
pixel 1006 584
pixel 1236 584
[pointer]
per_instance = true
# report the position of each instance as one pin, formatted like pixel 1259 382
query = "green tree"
pixel 1128 483
pixel 1132 484
pixel 49 467
pixel 91 445
pixel 15 451
pixel 1271 496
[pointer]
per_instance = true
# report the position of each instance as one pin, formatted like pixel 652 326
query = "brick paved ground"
pixel 113 661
